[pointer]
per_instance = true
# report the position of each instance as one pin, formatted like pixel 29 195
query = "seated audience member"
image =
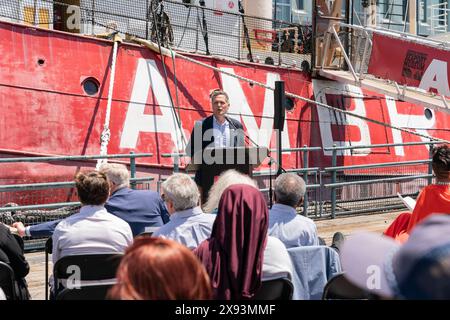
pixel 226 179
pixel 433 198
pixel 12 254
pixel 188 224
pixel 417 269
pixel 239 254
pixel 160 269
pixel 93 229
pixel 292 229
pixel 142 209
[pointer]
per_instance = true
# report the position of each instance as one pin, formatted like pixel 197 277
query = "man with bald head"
pixel 292 229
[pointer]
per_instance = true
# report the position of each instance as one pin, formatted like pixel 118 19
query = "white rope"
pixel 165 51
pixel 106 133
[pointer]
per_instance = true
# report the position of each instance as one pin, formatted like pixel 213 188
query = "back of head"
pixel 418 269
pixel 117 173
pixel 441 161
pixel 422 265
pixel 289 189
pixel 226 179
pixel 182 191
pixel 160 269
pixel 92 188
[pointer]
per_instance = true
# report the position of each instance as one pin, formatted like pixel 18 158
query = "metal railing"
pixel 439 13
pixel 369 182
pixel 332 191
pixel 344 190
pixel 28 202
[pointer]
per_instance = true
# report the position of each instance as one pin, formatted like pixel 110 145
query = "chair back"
pixel 313 267
pixel 48 251
pixel 86 292
pixel 7 281
pixel 90 267
pixel 339 288
pixel 277 289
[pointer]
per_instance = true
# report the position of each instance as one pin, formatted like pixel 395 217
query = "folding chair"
pixel 339 288
pixel 85 292
pixel 7 281
pixel 91 267
pixel 277 289
pixel 48 250
pixel 313 267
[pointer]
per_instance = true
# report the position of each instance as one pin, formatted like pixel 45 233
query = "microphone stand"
pixel 271 161
pixel 204 27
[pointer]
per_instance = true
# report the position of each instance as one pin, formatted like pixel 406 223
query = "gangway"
pixel 345 56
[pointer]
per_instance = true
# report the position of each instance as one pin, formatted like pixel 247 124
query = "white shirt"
pixel 221 134
pixel 92 230
pixel 188 227
pixel 277 263
pixel 292 229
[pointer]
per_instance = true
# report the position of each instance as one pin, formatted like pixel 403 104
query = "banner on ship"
pixel 410 63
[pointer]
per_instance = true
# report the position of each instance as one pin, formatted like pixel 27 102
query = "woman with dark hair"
pixel 160 269
pixel 11 252
pixel 239 254
pixel 434 198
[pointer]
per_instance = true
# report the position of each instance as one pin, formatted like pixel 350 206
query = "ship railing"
pixel 335 189
pixel 341 189
pixel 343 54
pixel 174 24
pixel 306 172
pixel 439 14
pixel 36 199
pixel 356 189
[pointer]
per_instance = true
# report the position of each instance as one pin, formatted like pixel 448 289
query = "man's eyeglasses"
pixel 164 197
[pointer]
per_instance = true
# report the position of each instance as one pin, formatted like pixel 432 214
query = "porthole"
pixel 428 114
pixel 91 86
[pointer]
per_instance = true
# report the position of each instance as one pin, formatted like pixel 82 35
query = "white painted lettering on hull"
pixel 148 76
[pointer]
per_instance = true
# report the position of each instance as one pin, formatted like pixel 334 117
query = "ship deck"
pixel 326 229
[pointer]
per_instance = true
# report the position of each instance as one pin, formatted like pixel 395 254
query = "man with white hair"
pixel 285 224
pixel 188 224
pixel 142 209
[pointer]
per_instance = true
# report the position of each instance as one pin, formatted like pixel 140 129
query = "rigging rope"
pixel 165 51
pixel 106 133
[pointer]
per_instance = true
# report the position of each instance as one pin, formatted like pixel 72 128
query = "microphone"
pixel 254 143
pixel 245 135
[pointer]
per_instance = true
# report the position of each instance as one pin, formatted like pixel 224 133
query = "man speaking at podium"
pixel 215 131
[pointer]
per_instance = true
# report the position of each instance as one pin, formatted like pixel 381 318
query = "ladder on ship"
pixel 343 53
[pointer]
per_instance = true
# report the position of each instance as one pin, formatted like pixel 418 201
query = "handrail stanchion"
pixel 176 163
pixel 333 180
pixel 430 165
pixel 132 169
pixel 305 177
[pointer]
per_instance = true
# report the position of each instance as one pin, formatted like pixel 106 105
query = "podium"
pixel 211 162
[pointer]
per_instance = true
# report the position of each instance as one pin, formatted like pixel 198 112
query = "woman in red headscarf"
pixel 233 255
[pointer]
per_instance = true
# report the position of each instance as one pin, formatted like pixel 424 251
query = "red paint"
pixel 45 110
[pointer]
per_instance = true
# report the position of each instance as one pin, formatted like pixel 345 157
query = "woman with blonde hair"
pixel 226 179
